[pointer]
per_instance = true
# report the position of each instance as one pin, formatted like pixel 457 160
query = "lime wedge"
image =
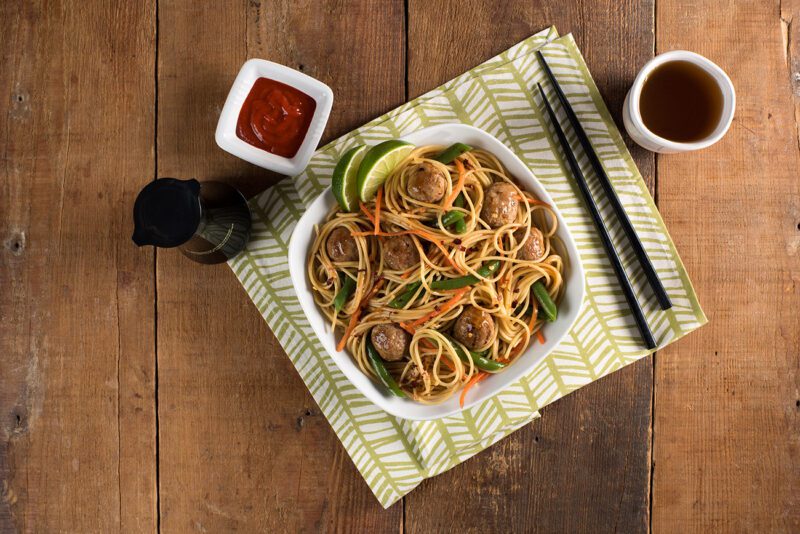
pixel 378 164
pixel 345 178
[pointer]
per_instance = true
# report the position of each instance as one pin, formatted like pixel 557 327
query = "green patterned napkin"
pixel 395 455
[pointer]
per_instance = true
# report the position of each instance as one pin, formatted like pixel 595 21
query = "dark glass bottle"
pixel 209 221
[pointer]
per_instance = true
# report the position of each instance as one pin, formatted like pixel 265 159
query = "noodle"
pixel 431 370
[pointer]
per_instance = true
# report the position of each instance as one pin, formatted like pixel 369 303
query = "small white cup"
pixel 632 117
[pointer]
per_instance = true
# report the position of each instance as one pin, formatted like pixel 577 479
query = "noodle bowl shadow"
pixel 569 307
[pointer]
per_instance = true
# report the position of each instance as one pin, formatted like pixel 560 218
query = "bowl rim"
pixel 315 213
pixel 253 69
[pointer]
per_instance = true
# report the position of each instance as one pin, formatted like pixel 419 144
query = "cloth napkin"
pixel 395 455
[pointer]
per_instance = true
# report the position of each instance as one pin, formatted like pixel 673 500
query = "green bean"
pixel 453 216
pixel 380 370
pixel 548 307
pixel 450 217
pixel 463 281
pixel 452 152
pixel 478 358
pixel 461 224
pixel 405 297
pixel 529 310
pixel 348 285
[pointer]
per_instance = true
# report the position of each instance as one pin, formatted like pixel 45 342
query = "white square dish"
pixel 252 70
pixel 302 238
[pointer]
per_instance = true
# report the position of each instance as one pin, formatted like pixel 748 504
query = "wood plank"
pixel 727 414
pixel 77 427
pixel 242 443
pixel 584 467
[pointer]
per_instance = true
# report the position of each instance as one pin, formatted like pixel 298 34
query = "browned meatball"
pixel 500 204
pixel 533 249
pixel 427 183
pixel 341 246
pixel 400 253
pixel 390 341
pixel 474 328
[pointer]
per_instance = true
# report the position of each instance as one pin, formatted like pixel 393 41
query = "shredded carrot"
pixel 531 322
pixel 462 176
pixel 408 272
pixel 378 285
pixel 349 330
pixel 447 256
pixel 377 220
pixel 472 381
pixel 540 337
pixel 424 235
pixel 443 309
pixel 534 201
pixel 445 361
pixel 428 344
pixel 408 328
pixel 367 213
pixel 357 314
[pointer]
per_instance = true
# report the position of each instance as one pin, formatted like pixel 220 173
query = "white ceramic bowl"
pixel 568 310
pixel 632 117
pixel 252 70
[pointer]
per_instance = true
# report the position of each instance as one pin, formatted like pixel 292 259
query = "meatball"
pixel 427 183
pixel 474 328
pixel 533 249
pixel 500 204
pixel 400 253
pixel 390 341
pixel 341 246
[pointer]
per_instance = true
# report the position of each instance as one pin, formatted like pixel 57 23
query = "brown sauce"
pixel 681 102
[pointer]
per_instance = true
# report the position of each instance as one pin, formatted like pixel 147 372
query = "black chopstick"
pixel 613 199
pixel 622 276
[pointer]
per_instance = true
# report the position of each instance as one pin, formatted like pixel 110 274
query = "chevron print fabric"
pixel 395 455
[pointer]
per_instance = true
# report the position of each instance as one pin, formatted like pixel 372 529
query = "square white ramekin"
pixel 252 70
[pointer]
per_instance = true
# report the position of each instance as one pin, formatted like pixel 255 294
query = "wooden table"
pixel 140 391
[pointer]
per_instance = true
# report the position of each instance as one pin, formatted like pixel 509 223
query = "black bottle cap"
pixel 167 212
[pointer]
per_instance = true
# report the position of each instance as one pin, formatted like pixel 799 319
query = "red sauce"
pixel 275 117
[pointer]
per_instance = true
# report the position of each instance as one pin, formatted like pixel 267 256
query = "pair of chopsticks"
pixel 594 211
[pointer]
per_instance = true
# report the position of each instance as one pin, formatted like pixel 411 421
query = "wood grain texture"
pixel 243 445
pixel 585 466
pixel 77 418
pixel 727 414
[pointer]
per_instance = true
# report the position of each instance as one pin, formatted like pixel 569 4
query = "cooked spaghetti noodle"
pixel 506 242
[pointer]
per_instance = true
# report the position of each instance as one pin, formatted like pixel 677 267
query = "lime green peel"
pixel 378 164
pixel 345 178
